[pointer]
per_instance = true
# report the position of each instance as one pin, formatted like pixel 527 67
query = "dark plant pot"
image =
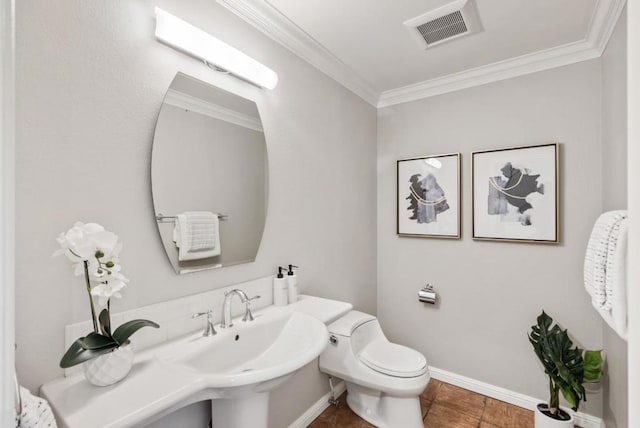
pixel 544 418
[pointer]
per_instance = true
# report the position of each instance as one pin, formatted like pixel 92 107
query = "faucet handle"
pixel 248 315
pixel 200 314
pixel 209 330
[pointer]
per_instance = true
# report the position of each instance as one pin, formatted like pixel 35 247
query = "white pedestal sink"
pixel 235 369
pixel 241 364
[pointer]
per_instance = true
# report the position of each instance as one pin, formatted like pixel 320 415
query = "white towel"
pixel 605 269
pixel 616 315
pixel 196 234
pixel 36 412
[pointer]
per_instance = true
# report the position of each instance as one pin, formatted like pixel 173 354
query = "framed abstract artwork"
pixel 514 194
pixel 428 196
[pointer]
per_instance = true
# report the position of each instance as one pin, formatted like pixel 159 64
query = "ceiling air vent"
pixel 446 23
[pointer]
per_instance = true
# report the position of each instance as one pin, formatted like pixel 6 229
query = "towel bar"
pixel 161 217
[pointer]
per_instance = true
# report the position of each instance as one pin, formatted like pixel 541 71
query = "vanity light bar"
pixel 186 38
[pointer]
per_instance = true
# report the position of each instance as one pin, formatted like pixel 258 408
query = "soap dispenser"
pixel 280 288
pixel 292 280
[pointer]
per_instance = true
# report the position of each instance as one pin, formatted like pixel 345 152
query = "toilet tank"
pixel 359 327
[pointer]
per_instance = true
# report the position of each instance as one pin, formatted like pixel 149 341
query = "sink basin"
pixel 240 365
pixel 273 345
pixel 236 376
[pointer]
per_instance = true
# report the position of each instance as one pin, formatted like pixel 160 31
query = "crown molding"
pixel 514 67
pixel 197 105
pixel 603 22
pixel 264 17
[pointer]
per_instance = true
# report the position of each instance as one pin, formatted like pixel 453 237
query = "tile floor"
pixel 443 406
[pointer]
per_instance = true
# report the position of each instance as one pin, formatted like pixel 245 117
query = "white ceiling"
pixel 364 45
pixel 369 37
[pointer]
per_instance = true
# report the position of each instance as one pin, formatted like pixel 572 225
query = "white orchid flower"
pixel 106 242
pixel 112 253
pixel 107 290
pixel 102 275
pixel 81 242
pixel 78 268
pixel 95 253
pixel 76 241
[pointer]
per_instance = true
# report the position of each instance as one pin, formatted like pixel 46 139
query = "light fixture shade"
pixel 183 36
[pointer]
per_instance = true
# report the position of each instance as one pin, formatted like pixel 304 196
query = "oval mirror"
pixel 208 176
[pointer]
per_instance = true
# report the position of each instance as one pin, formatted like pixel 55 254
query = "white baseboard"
pixel 503 394
pixel 318 407
pixel 496 392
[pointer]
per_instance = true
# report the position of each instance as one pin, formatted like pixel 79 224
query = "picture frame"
pixel 428 196
pixel 515 194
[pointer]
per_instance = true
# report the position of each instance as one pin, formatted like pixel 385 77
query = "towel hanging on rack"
pixel 197 235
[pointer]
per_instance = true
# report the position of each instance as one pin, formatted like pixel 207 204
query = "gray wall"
pixel 491 292
pixel 614 196
pixel 90 82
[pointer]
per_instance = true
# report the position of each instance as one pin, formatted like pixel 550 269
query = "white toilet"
pixel 384 380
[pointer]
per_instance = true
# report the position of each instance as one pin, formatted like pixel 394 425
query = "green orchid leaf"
pixel 122 333
pixel 76 354
pixel 105 322
pixel 96 341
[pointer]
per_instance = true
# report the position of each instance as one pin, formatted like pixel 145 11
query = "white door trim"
pixel 7 185
pixel 633 195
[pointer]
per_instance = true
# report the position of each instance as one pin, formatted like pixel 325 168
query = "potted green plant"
pixel 95 253
pixel 568 368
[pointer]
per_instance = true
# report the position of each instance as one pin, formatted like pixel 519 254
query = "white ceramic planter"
pixel 543 421
pixel 109 368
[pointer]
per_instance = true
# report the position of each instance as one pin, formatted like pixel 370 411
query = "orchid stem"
pixel 93 309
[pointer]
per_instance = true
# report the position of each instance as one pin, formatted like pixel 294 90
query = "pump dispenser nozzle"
pixel 280 269
pixel 291 269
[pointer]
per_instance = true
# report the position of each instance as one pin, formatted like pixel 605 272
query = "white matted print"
pixel 428 196
pixel 515 194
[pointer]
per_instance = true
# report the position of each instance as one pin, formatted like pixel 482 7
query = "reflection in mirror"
pixel 208 176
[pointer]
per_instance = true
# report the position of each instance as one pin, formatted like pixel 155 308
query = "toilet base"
pixel 382 410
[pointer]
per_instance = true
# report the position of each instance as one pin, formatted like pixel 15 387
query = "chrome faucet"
pixel 209 330
pixel 225 319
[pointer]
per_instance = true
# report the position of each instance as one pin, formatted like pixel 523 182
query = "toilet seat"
pixel 393 359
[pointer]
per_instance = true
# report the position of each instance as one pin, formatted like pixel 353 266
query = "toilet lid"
pixel 393 360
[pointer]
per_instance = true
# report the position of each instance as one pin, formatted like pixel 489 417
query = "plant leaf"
pixel 76 354
pixel 544 321
pixel 571 397
pixel 563 362
pixel 125 331
pixel 592 358
pixel 592 366
pixel 96 341
pixel 105 322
